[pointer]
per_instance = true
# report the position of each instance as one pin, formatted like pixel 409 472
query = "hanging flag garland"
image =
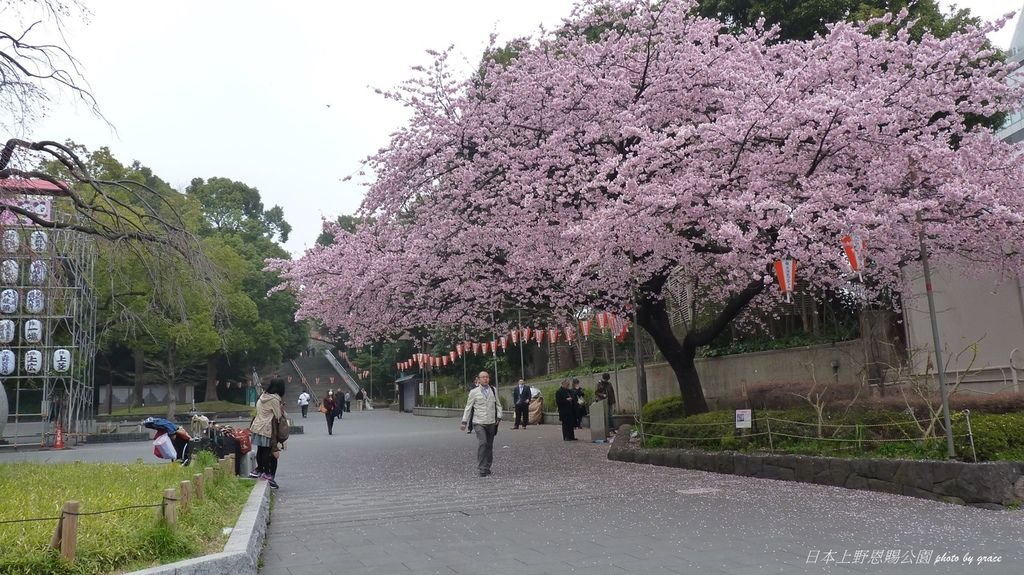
pixel 514 334
pixel 570 333
pixel 504 342
pixel 602 320
pixel 785 270
pixel 452 355
pixel 526 334
pixel 539 336
pixel 552 335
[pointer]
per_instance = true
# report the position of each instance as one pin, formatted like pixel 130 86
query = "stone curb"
pixel 241 553
pixel 990 485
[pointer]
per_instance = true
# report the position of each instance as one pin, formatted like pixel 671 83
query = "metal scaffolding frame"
pixel 59 265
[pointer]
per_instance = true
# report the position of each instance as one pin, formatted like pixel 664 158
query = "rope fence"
pixel 764 429
pixel 65 536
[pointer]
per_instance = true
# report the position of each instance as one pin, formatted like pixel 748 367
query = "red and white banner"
pixel 570 333
pixel 553 335
pixel 476 348
pixel 458 349
pixel 452 355
pixel 484 346
pixel 503 340
pixel 856 249
pixel 602 320
pixel 444 360
pixel 585 328
pixel 539 336
pixel 785 270
pixel 494 345
pixel 514 334
pixel 526 334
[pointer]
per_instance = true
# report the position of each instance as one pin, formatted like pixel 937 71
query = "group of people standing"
pixel 483 411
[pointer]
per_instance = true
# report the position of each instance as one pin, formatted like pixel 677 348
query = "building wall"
pixel 729 376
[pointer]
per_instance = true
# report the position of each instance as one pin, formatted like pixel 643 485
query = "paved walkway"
pixel 398 494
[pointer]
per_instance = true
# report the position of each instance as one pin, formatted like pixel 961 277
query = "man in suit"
pixel 565 399
pixel 521 396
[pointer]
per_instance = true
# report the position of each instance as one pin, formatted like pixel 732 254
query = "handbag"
pixel 244 440
pixel 323 409
pixel 281 429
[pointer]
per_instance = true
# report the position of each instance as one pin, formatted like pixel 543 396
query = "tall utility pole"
pixel 940 368
pixel 522 361
pixel 371 372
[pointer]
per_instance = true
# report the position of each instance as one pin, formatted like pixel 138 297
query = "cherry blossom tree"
pixel 638 141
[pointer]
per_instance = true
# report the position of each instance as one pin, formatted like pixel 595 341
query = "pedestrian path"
pixel 393 493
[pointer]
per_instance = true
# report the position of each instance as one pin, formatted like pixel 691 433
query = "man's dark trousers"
pixel 522 414
pixel 485 449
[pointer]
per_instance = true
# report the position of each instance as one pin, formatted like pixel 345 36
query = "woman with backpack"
pixel 266 432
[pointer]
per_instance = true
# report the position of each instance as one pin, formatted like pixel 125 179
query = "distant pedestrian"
pixel 604 390
pixel 328 408
pixel 581 402
pixel 565 399
pixel 339 402
pixel 348 402
pixel 359 399
pixel 304 398
pixel 482 415
pixel 521 396
pixel 269 410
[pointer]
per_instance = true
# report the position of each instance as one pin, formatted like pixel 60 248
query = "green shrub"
pixel 455 399
pixel 662 409
pixel 996 437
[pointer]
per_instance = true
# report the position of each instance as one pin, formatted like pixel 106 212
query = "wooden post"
pixel 186 494
pixel 69 530
pixel 209 477
pixel 170 507
pixel 231 464
pixel 197 482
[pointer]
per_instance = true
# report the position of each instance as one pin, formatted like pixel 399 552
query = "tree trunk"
pixel 211 378
pixel 653 316
pixel 172 399
pixel 140 374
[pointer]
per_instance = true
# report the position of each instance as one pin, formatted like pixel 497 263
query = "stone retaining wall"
pixel 987 485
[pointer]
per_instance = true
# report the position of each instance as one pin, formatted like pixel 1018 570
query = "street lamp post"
pixel 939 367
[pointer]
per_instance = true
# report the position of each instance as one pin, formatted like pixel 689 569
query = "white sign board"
pixel 743 419
pixel 433 388
pixel 421 387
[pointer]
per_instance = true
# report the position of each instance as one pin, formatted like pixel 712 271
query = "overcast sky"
pixel 279 96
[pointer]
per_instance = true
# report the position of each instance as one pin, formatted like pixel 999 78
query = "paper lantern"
pixel 33 331
pixel 539 336
pixel 11 241
pixel 7 331
pixel 585 328
pixel 553 334
pixel 33 361
pixel 602 321
pixel 504 342
pixel 451 356
pixel 9 301
pixel 37 241
pixel 37 273
pixel 525 334
pixel 62 360
pixel 7 362
pixel 34 301
pixel 483 347
pixel 9 272
pixel 570 333
pixel 476 348
pixel 785 271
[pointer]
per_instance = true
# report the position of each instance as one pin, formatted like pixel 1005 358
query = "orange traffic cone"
pixel 58 442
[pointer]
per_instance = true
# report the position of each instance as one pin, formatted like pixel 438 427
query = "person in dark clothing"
pixel 604 390
pixel 581 403
pixel 521 396
pixel 331 406
pixel 566 402
pixel 339 401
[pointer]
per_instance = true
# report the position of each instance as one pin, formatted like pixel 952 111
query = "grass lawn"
pixel 112 542
pixel 161 410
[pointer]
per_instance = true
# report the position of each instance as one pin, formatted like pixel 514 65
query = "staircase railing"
pixel 305 384
pixel 351 383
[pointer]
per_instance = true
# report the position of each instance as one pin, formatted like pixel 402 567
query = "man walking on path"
pixel 304 403
pixel 521 396
pixel 483 413
pixel 359 399
pixel 348 402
